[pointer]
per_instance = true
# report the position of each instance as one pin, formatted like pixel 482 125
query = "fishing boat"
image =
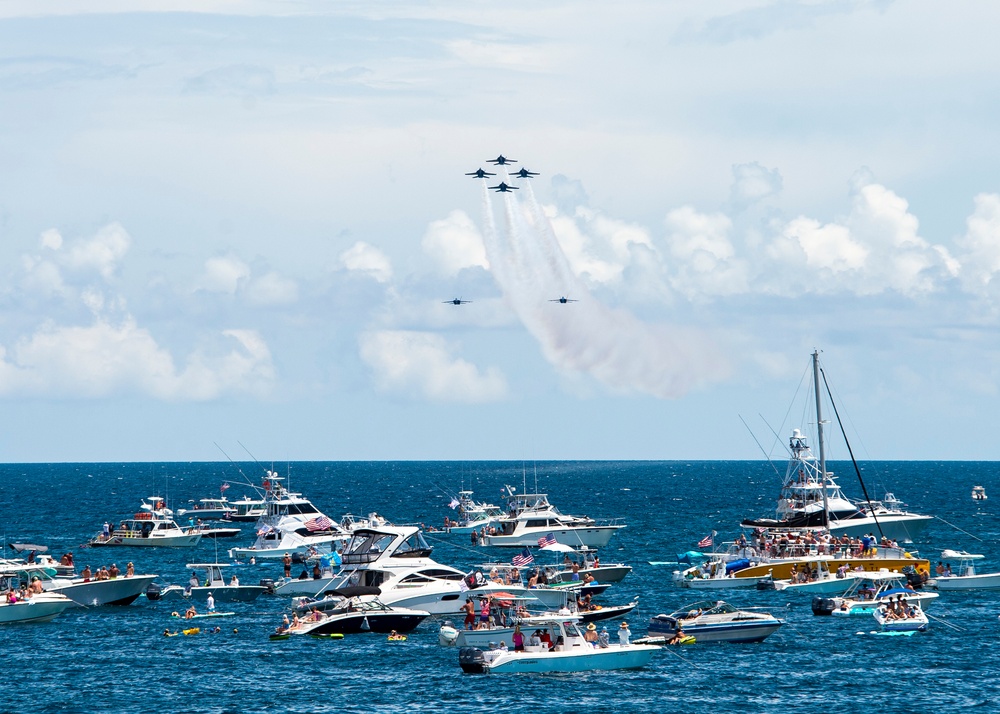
pixel 357 609
pixel 84 592
pixel 535 521
pixel 246 510
pixel 715 621
pixel 208 509
pixel 472 515
pixel 978 493
pixel 570 652
pixel 207 579
pixel 152 526
pixel 811 498
pixel 967 578
pixel 869 592
pixel 578 563
pixel 39 607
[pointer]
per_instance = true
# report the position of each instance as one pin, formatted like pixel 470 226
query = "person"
pixel 235 582
pixel 129 570
pixel 36 586
pixel 113 572
pixel 591 634
pixel 317 616
pixel 475 537
pixel 535 640
pixel 624 634
pixel 484 614
pixel 287 560
pixel 210 602
pixel 106 531
pixel 253 560
pixel 533 580
pixel 193 582
pixel 604 639
pixel 190 612
pixel 317 573
pixel 597 562
pixel 546 639
pixel 296 621
pixel 470 613
pixel 503 645
pixel 576 572
pixel 678 636
pixel 588 579
pixel 517 637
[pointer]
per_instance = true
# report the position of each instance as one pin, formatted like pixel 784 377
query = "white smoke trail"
pixel 611 345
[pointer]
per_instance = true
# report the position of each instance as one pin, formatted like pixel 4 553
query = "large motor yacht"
pixel 533 519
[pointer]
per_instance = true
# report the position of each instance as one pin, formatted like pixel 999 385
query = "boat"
pixel 39 607
pixel 357 609
pixel 309 586
pixel 208 531
pixel 535 521
pixel 246 510
pixel 978 493
pixel 868 592
pixel 207 578
pixel 715 621
pixel 152 526
pixel 202 616
pixel 84 592
pixel 967 578
pixel 570 653
pixel 810 497
pixel 909 618
pixel 578 563
pixel 208 509
pixel 291 525
pixel 816 578
pixel 472 515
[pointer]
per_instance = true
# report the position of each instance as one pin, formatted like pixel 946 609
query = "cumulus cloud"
pixel 702 257
pixel 979 248
pixel 366 258
pixel 224 274
pixel 107 358
pixel 455 243
pixel 272 289
pixel 102 253
pixel 752 183
pixel 421 364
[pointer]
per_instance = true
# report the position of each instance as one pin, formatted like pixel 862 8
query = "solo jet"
pixel 503 188
pixel 501 161
pixel 456 301
pixel 563 300
pixel 524 173
pixel 479 173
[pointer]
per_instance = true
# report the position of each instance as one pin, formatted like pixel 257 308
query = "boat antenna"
pixel 822 443
pixel 766 455
pixel 864 490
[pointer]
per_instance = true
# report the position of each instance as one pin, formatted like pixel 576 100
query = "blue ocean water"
pixel 116 659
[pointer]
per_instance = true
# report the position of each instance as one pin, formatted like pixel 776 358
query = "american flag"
pixel 265 529
pixel 223 487
pixel 319 523
pixel 546 540
pixel 454 503
pixel 522 559
pixel 707 541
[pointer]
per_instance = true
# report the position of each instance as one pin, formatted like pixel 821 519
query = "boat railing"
pixel 782 551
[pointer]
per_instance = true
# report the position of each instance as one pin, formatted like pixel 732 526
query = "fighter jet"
pixel 503 188
pixel 479 173
pixel 524 173
pixel 563 300
pixel 456 301
pixel 501 161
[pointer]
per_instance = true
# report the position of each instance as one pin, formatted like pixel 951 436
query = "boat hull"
pixel 592 537
pixel 227 593
pixel 986 581
pixel 353 623
pixel 722 632
pixel 575 660
pixel 95 593
pixel 184 541
pixel 40 608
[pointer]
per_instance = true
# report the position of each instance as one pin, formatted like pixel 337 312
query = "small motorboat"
pixel 352 610
pixel 967 578
pixel 868 593
pixel 716 621
pixel 978 493
pixel 901 618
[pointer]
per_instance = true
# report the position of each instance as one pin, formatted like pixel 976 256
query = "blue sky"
pixel 236 222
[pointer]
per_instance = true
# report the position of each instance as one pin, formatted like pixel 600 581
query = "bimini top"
pixel 370 544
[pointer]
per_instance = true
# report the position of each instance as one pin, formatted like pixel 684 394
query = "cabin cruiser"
pixel 246 510
pixel 356 609
pixel 38 607
pixel 534 521
pixel 208 509
pixel 207 579
pixel 292 524
pixel 152 526
pixel 570 651
pixel 472 515
pixel 715 621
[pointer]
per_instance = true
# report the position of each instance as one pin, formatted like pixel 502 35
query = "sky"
pixel 233 226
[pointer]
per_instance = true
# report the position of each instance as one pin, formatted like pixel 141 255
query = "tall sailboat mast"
pixel 822 443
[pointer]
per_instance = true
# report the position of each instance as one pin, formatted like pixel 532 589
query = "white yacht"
pixel 811 498
pixel 535 521
pixel 473 515
pixel 208 509
pixel 152 526
pixel 85 592
pixel 40 607
pixel 246 510
pixel 292 524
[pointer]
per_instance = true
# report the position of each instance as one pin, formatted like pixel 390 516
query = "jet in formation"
pixel 563 300
pixel 503 188
pixel 479 173
pixel 524 173
pixel 456 301
pixel 501 161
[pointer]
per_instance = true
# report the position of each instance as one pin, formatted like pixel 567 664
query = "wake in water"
pixel 610 344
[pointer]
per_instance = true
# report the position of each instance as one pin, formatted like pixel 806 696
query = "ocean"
pixel 115 659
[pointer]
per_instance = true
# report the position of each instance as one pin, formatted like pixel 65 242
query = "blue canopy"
pixel 690 557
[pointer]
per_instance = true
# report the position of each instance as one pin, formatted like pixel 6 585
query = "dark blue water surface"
pixel 116 659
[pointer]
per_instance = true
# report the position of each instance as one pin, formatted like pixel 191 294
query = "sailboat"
pixel 810 497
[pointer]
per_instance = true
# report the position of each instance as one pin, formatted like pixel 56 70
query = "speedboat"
pixel 85 592
pixel 357 609
pixel 570 652
pixel 869 592
pixel 978 493
pixel 152 526
pixel 907 618
pixel 967 578
pixel 291 525
pixel 211 581
pixel 39 607
pixel 715 621
pixel 581 562
pixel 811 498
pixel 208 509
pixel 538 522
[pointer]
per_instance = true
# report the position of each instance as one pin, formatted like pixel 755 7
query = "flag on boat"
pixel 319 523
pixel 265 529
pixel 707 541
pixel 454 503
pixel 522 559
pixel 223 487
pixel 546 540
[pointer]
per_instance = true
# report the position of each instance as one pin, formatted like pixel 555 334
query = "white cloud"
pixel 224 274
pixel 753 183
pixel 702 259
pixel 104 359
pixel 421 364
pixel 102 253
pixel 51 239
pixel 455 243
pixel 366 258
pixel 272 289
pixel 979 248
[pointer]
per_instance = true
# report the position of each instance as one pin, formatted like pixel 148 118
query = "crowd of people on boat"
pixel 898 609
pixel 785 544
pixel 106 573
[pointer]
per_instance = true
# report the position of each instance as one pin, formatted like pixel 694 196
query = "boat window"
pixel 414 542
pixel 536 523
pixel 415 578
pixel 301 508
pixel 442 574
